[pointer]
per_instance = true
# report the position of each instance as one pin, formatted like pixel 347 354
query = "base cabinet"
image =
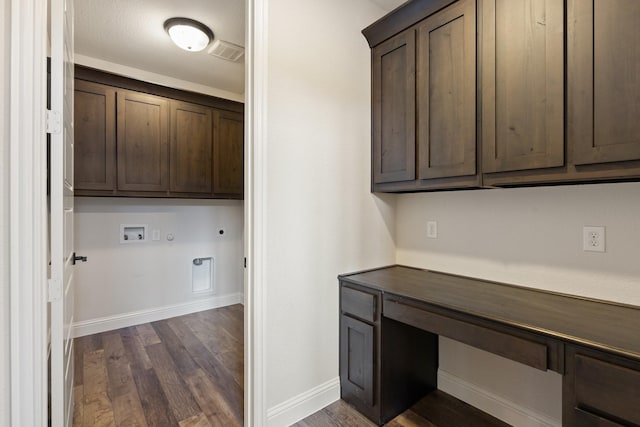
pixel 600 390
pixel 385 366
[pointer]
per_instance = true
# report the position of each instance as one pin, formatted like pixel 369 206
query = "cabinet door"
pixel 228 154
pixel 446 92
pixel 191 148
pixel 603 78
pixel 143 149
pixel 94 136
pixel 522 84
pixel 356 360
pixel 393 142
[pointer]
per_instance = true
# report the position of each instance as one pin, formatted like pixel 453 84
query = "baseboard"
pixel 110 323
pixel 303 405
pixel 504 409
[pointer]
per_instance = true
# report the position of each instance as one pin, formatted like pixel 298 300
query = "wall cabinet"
pixel 141 140
pixel 518 93
pixel 424 103
pixel 191 148
pixel 228 153
pixel 95 136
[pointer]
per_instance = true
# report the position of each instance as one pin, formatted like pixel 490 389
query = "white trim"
pixel 28 213
pixel 110 323
pixel 159 79
pixel 305 404
pixel 504 409
pixel 256 286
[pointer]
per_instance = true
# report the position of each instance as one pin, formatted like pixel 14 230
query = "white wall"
pixel 126 278
pixel 321 219
pixel 4 213
pixel 530 237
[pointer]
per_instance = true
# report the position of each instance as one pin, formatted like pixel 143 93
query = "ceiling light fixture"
pixel 188 34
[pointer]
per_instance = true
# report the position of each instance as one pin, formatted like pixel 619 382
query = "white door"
pixel 61 216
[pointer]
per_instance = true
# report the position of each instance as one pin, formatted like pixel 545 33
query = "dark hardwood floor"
pixel 438 409
pixel 185 371
pixel 188 372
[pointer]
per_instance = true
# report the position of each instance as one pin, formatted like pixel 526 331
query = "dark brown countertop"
pixel 600 324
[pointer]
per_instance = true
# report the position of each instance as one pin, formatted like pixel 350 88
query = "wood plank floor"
pixel 184 372
pixel 188 372
pixel 438 409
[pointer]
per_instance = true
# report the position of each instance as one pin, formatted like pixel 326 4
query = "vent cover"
pixel 225 50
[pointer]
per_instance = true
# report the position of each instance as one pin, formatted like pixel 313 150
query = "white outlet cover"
pixel 432 229
pixel 593 239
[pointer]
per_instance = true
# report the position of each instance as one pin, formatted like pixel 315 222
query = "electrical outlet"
pixel 432 229
pixel 593 239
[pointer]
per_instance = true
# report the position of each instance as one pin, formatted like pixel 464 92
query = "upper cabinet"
pixel 228 154
pixel 424 104
pixel 143 142
pixel 604 80
pixel 394 106
pixel 470 94
pixel 522 84
pixel 95 136
pixel 137 139
pixel 191 148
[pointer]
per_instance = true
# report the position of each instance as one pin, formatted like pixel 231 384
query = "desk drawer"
pixel 608 390
pixel 501 343
pixel 358 303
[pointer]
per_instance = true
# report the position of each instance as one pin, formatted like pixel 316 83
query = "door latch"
pixel 75 258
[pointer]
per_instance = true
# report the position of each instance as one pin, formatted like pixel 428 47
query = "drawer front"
pixel 512 347
pixel 358 303
pixel 607 390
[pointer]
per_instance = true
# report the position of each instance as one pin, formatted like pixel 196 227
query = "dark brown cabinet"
pixel 505 93
pixel 446 93
pixel 228 154
pixel 424 104
pixel 383 366
pixel 394 109
pixel 95 136
pixel 522 84
pixel 397 313
pixel 604 63
pixel 143 142
pixel 135 139
pixel 600 389
pixel 191 148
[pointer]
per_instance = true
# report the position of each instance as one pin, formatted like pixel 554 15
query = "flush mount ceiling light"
pixel 188 34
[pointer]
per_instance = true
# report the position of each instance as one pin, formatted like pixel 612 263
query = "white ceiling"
pixel 131 33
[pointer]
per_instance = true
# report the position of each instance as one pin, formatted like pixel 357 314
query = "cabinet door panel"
pixel 604 88
pixel 522 84
pixel 191 148
pixel 446 93
pixel 356 359
pixel 95 137
pixel 394 109
pixel 143 154
pixel 228 154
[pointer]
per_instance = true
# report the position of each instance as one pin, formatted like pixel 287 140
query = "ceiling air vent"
pixel 225 50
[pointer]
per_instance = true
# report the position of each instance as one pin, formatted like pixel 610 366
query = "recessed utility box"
pixel 202 275
pixel 133 233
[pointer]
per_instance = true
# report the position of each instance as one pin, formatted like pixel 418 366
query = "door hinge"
pixel 55 289
pixel 53 122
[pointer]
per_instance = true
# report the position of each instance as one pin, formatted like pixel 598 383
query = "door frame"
pixel 255 204
pixel 28 213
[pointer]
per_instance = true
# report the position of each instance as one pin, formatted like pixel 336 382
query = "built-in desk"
pixel 390 319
